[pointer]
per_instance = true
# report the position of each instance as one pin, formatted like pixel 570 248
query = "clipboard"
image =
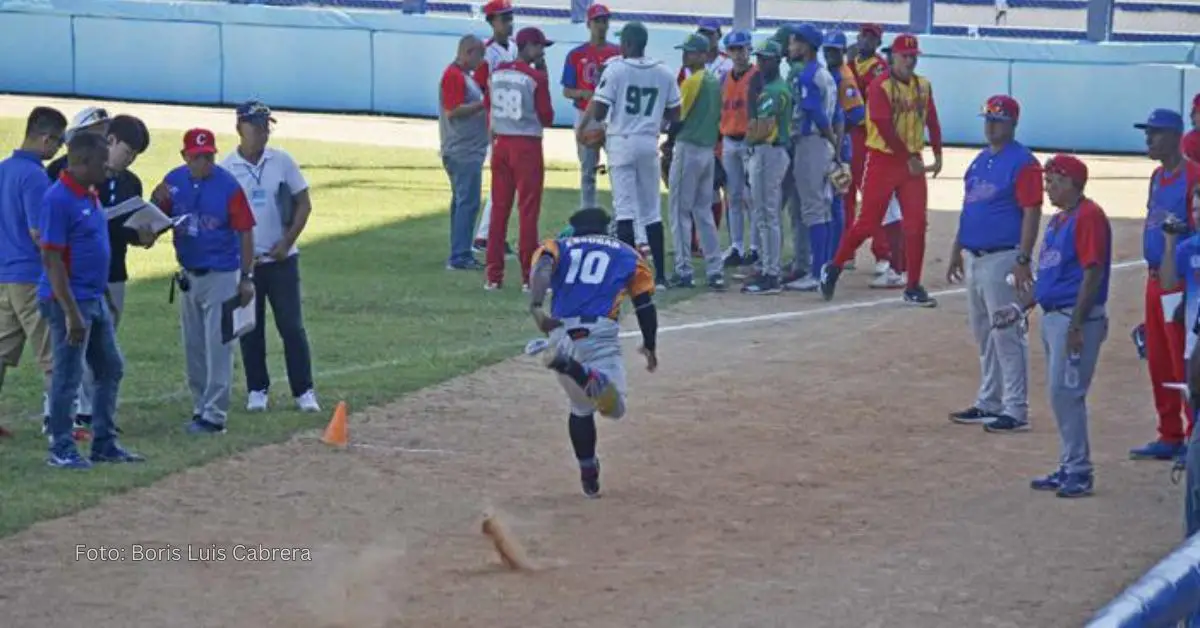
pixel 236 320
pixel 1170 303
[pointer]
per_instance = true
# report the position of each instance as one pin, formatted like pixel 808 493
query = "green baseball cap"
pixel 769 48
pixel 694 43
pixel 634 34
pixel 783 35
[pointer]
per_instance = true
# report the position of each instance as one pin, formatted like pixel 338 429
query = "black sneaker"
pixel 1004 424
pixel 717 283
pixel 751 258
pixel 973 416
pixel 829 278
pixel 682 281
pixel 734 259
pixel 763 284
pixel 112 452
pixel 589 480
pixel 917 296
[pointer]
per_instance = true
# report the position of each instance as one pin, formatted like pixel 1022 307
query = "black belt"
pixel 736 138
pixel 982 252
pixel 198 272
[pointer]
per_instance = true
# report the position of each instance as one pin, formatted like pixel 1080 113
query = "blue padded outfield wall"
pixel 1074 96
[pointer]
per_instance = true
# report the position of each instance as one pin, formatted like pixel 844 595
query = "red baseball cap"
pixel 874 29
pixel 199 142
pixel 497 7
pixel 597 10
pixel 1068 166
pixel 532 35
pixel 1001 107
pixel 905 44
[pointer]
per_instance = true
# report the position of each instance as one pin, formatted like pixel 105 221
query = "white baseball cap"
pixel 87 117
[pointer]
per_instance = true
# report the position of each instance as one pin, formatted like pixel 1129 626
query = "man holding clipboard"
pixel 214 244
pixel 278 195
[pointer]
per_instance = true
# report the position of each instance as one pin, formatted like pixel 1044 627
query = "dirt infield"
pixel 796 473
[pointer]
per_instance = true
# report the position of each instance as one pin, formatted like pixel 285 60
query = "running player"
pixel 590 273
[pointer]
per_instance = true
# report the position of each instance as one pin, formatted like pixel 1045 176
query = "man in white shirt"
pixel 278 195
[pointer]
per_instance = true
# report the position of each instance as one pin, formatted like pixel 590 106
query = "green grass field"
pixel 383 316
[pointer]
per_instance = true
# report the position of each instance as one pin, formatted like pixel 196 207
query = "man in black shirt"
pixel 128 137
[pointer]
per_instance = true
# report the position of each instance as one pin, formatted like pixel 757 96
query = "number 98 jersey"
pixel 592 275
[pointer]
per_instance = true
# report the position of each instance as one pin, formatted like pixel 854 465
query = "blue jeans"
pixel 103 356
pixel 466 187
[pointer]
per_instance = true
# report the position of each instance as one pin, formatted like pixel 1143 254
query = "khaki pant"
pixel 20 321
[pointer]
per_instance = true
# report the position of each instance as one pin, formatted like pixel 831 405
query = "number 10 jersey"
pixel 592 275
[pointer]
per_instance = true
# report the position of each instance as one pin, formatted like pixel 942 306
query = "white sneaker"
pixel 882 267
pixel 308 402
pixel 889 280
pixel 807 283
pixel 257 401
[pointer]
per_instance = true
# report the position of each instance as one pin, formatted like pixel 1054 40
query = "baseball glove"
pixel 839 177
pixel 668 153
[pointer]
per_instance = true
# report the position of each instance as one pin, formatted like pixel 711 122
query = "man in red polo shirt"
pixel 579 78
pixel 1191 140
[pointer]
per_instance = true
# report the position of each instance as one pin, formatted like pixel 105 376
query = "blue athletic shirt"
pixel 1170 194
pixel 23 183
pixel 73 222
pixel 1074 240
pixel 1187 266
pixel 998 187
pixel 592 275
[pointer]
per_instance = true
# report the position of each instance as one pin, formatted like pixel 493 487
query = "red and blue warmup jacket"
pixel 1171 194
pixel 71 221
pixel 1075 240
pixel 583 67
pixel 998 187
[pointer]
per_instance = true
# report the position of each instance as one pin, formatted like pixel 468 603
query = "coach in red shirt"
pixel 581 72
pixel 463 127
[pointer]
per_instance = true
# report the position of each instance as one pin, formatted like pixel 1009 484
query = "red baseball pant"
pixel 517 168
pixel 1164 356
pixel 883 175
pixel 881 243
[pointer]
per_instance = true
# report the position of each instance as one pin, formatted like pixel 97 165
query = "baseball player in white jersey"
pixel 639 96
pixel 499 49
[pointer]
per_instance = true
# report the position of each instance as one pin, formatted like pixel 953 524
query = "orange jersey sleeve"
pixel 642 281
pixel 548 247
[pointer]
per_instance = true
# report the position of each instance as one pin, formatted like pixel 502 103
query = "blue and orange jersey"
pixel 849 97
pixel 593 275
pixel 582 68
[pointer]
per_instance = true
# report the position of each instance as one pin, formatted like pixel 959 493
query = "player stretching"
pixel 637 94
pixel 899 108
pixel 590 274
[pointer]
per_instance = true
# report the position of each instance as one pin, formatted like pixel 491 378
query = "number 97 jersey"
pixel 593 274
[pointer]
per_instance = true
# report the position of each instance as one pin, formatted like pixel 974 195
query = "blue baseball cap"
pixel 835 39
pixel 254 111
pixel 1162 120
pixel 809 34
pixel 710 25
pixel 738 39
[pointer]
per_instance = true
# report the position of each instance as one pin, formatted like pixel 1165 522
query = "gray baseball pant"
pixel 599 350
pixel 768 167
pixel 589 159
pixel 1069 403
pixel 735 157
pixel 801 247
pixel 1003 353
pixel 209 361
pixel 689 200
pixel 87 390
pixel 810 164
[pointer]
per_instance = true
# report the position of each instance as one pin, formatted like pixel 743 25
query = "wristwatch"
pixel 248 276
pixel 1023 259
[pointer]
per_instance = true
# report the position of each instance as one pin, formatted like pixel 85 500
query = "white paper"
pixel 148 216
pixel 124 207
pixel 1169 303
pixel 243 319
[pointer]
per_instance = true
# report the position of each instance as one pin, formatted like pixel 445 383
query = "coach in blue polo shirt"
pixel 73 292
pixel 997 230
pixel 214 245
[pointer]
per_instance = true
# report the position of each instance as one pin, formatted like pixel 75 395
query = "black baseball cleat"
pixel 917 296
pixel 829 278
pixel 973 416
pixel 733 259
pixel 589 479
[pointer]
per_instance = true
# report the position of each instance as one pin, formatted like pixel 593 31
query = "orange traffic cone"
pixel 336 433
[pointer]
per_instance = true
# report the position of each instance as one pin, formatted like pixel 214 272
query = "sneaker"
pixel 308 402
pixel 917 296
pixel 256 401
pixel 68 460
pixel 661 284
pixel 763 284
pixel 682 281
pixel 829 278
pixel 973 416
pixel 733 259
pixel 881 267
pixel 1076 485
pixel 792 275
pixel 201 426
pixel 803 284
pixel 474 264
pixel 716 283
pixel 479 245
pixel 1004 424
pixel 114 453
pixel 1157 450
pixel 889 280
pixel 525 288
pixel 589 479
pixel 1051 482
pixel 751 259
pixel 492 286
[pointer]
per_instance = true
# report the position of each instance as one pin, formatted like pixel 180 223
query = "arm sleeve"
pixel 240 216
pixel 687 93
pixel 292 175
pixel 161 196
pixel 606 91
pixel 1029 190
pixel 53 224
pixel 454 90
pixel 482 75
pixel 879 107
pixel 549 248
pixel 642 280
pixel 812 102
pixel 752 92
pixel 570 75
pixel 934 126
pixel 1091 238
pixel 32 194
pixel 541 100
